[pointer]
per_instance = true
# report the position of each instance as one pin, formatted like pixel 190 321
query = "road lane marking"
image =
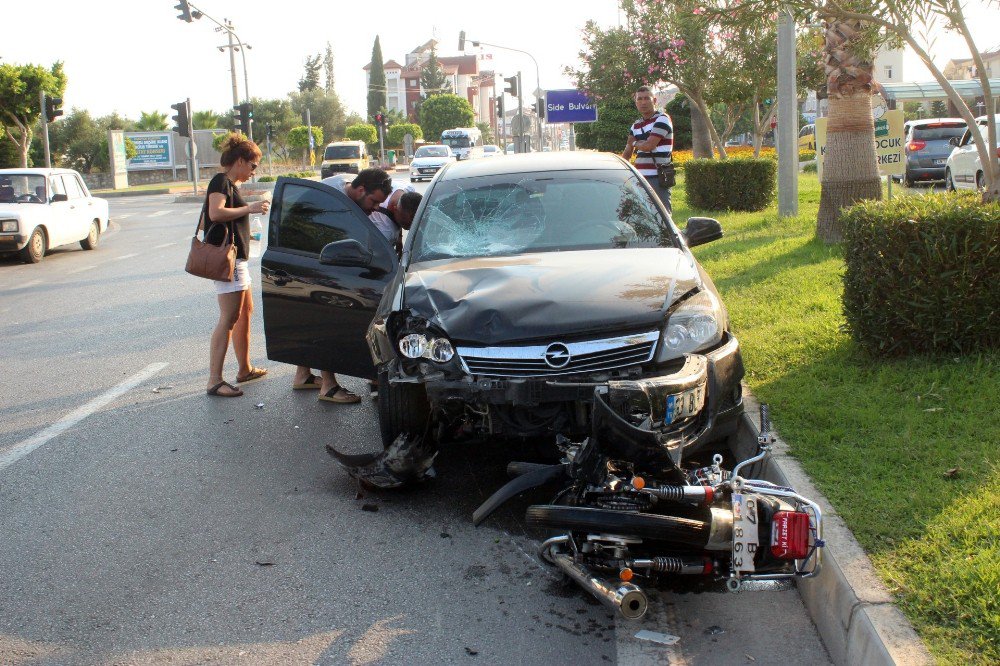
pixel 20 450
pixel 122 216
pixel 159 213
pixel 126 256
pixel 80 270
pixel 157 247
pixel 28 284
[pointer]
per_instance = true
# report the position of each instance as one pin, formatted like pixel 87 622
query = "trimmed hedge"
pixel 923 274
pixel 734 184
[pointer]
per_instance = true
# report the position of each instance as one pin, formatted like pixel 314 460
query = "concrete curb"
pixel 851 608
pixel 134 193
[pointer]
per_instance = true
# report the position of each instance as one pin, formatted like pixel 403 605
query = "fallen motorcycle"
pixel 632 512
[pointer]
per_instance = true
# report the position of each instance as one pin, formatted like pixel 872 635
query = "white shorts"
pixel 241 279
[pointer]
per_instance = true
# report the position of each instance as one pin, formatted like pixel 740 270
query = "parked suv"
pixel 525 284
pixel 964 170
pixel 927 147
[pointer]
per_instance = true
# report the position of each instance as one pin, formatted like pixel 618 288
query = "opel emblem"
pixel 557 355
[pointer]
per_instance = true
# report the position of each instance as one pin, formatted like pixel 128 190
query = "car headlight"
pixel 696 324
pixel 8 225
pixel 418 345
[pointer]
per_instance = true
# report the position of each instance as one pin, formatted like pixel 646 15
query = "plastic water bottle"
pixel 256 228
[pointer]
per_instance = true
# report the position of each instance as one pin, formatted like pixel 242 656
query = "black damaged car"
pixel 525 284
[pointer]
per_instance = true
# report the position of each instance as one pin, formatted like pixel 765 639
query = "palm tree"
pixel 205 120
pixel 151 121
pixel 850 170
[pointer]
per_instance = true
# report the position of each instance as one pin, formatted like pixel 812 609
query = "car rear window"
pixel 539 212
pixel 940 131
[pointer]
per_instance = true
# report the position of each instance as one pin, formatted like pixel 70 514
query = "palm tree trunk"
pixel 850 169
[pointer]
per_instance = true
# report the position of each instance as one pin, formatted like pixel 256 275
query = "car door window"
pixel 310 219
pixel 57 186
pixel 73 190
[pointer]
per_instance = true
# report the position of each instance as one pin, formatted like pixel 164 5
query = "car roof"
pixel 524 163
pixel 934 121
pixel 37 171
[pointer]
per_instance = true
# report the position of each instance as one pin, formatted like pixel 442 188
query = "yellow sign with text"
pixel 888 142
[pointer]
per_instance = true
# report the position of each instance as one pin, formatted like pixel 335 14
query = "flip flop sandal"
pixel 215 391
pixel 340 395
pixel 312 383
pixel 253 375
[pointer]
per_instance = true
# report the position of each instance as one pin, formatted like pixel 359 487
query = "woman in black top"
pixel 227 213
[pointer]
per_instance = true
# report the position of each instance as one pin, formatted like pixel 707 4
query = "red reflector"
pixel 915 145
pixel 790 535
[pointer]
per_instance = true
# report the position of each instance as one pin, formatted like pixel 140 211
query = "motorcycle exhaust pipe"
pixel 625 598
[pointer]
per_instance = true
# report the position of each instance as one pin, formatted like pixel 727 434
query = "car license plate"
pixel 745 538
pixel 685 404
pixel 939 162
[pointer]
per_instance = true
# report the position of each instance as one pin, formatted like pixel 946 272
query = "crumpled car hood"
pixel 550 295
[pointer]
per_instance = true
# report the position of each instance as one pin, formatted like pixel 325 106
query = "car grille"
pixel 550 360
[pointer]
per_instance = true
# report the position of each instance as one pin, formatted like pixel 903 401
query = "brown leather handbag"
pixel 213 262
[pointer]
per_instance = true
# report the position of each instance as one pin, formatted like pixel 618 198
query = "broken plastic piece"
pixel 657 637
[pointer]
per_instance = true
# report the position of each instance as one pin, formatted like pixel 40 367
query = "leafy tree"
pixel 442 112
pixel 912 110
pixel 354 118
pixel 939 109
pixel 394 136
pixel 433 80
pixel 328 68
pixel 610 132
pixel 207 119
pixel 325 110
pixel 221 137
pixel 151 121
pixel 310 77
pixel 362 132
pixel 80 141
pixel 282 117
pixel 20 106
pixel 393 117
pixel 487 132
pixel 680 113
pixel 376 81
pixel 130 149
pixel 298 139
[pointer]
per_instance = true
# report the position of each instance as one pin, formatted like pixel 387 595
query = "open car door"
pixel 322 277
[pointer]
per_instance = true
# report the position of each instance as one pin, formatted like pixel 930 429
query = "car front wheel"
pixel 402 408
pixel 35 249
pixel 93 238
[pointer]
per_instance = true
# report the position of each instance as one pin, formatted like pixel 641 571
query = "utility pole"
pixel 520 112
pixel 312 145
pixel 232 61
pixel 45 129
pixel 788 121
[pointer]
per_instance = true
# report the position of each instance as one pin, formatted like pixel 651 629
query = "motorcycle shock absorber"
pixel 699 494
pixel 674 565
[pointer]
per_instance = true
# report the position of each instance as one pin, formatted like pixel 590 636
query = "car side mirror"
pixel 56 198
pixel 701 230
pixel 345 253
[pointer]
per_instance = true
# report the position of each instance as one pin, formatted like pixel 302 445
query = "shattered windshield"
pixel 539 212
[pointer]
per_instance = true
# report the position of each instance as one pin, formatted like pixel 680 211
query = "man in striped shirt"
pixel 651 138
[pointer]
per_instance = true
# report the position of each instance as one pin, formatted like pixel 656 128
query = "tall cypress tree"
pixel 432 78
pixel 328 68
pixel 376 82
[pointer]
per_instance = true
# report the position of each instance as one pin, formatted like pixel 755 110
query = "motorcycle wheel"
pixel 684 531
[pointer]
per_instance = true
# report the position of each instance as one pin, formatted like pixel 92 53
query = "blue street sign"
pixel 569 106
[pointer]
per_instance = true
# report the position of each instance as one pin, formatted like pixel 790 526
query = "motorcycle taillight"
pixel 790 535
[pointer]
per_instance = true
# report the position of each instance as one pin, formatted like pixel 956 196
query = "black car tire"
pixel 33 252
pixel 907 181
pixel 413 180
pixel 402 408
pixel 93 237
pixel 949 182
pixel 682 531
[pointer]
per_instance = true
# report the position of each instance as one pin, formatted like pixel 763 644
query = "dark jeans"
pixel 663 192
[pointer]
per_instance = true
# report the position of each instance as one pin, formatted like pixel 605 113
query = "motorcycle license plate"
pixel 745 538
pixel 685 404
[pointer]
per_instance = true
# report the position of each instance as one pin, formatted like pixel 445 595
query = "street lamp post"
pixel 538 80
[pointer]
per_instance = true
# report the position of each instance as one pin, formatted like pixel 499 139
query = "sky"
pixel 135 55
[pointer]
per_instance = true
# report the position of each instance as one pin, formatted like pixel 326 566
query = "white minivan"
pixel 964 169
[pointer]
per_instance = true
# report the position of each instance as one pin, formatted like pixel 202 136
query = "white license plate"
pixel 745 540
pixel 939 162
pixel 685 404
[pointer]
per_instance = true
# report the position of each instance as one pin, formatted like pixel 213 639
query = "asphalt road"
pixel 144 523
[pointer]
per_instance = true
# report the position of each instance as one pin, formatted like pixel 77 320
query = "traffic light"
pixel 500 107
pixel 243 117
pixel 185 11
pixel 182 121
pixel 52 110
pixel 269 128
pixel 379 120
pixel 511 88
pixel 540 108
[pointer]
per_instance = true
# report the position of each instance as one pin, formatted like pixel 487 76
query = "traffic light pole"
pixel 520 113
pixel 192 150
pixel 45 129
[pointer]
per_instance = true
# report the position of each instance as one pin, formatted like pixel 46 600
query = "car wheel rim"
pixel 92 238
pixel 36 244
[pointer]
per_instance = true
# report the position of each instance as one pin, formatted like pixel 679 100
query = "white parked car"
pixel 490 150
pixel 964 170
pixel 44 208
pixel 428 160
